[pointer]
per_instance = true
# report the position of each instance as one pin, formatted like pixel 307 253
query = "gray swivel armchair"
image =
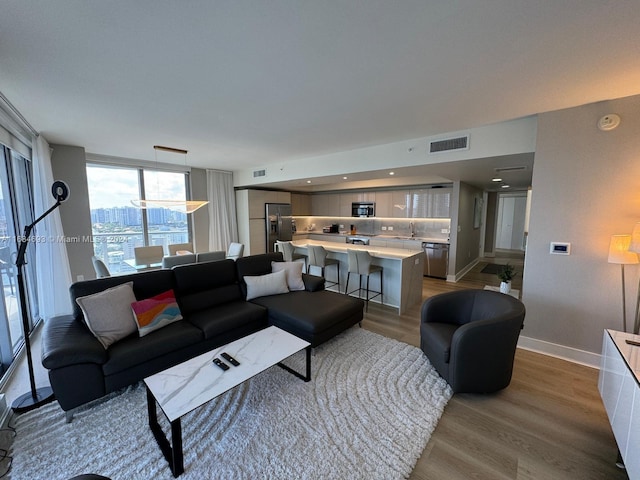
pixel 470 338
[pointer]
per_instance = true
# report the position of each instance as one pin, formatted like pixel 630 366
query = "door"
pixel 511 221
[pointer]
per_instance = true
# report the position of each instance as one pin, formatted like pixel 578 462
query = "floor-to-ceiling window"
pixel 16 209
pixel 118 226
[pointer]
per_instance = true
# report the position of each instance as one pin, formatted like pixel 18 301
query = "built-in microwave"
pixel 363 209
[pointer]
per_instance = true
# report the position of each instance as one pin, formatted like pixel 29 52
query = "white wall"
pixel 586 186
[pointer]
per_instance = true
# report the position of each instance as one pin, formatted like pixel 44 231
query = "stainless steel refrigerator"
pixel 278 220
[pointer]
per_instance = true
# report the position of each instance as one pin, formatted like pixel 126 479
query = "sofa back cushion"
pixel 199 286
pixel 145 285
pixel 255 265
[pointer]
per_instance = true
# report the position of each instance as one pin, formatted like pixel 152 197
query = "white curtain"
pixel 53 272
pixel 223 226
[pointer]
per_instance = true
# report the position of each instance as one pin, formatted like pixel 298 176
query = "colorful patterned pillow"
pixel 156 312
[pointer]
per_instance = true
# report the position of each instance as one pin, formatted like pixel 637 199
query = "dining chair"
pixel 235 250
pixel 174 248
pixel 148 255
pixel 101 269
pixel 173 260
pixel 214 256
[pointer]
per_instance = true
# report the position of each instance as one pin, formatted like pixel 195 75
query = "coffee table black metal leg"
pixel 172 452
pixel 307 376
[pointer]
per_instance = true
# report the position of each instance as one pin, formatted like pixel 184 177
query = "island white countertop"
pixel 375 251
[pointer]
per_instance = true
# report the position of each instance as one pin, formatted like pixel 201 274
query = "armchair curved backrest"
pixel 470 337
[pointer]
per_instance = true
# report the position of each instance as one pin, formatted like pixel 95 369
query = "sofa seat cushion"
pixel 135 350
pixel 227 317
pixel 307 314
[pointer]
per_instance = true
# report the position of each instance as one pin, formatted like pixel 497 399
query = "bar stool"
pixel 288 252
pixel 360 263
pixel 318 258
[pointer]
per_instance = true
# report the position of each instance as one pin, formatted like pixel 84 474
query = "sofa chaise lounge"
pixel 212 298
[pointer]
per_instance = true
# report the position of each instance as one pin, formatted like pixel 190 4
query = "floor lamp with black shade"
pixel 37 396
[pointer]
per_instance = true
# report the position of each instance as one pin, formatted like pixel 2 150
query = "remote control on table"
pixel 230 359
pixel 221 364
pixel 632 342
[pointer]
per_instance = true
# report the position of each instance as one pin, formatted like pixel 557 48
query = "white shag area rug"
pixel 367 413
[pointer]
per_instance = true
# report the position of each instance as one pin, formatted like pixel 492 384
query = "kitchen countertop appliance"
pixel 437 259
pixel 358 240
pixel 278 223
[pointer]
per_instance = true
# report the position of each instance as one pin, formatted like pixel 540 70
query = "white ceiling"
pixel 245 83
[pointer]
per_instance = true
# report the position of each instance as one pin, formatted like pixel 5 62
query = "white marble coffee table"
pixel 191 384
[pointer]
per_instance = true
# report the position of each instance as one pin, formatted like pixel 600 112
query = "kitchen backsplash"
pixel 436 228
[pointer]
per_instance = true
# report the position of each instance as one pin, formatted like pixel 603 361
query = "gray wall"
pixel 586 187
pixel 468 238
pixel 69 164
pixel 490 224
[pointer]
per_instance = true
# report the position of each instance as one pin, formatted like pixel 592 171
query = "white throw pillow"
pixel 294 273
pixel 269 284
pixel 108 313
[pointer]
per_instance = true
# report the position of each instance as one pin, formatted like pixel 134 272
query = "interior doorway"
pixel 511 221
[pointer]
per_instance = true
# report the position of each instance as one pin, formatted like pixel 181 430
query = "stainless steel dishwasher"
pixel 437 259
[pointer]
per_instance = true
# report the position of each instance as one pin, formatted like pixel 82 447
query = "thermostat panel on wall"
pixel 560 248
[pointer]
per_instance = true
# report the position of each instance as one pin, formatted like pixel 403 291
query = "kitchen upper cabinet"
pixel 319 205
pixel 346 199
pixel 257 199
pixel 366 197
pixel 400 203
pixel 325 205
pixel 384 204
pixel 300 204
pixel 430 203
pixel 333 205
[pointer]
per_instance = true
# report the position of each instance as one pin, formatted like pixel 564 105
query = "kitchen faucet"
pixel 413 229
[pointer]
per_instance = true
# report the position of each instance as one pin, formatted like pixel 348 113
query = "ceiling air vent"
pixel 518 168
pixel 448 144
pixel 259 173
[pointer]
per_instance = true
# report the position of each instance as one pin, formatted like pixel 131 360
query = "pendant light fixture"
pixel 185 206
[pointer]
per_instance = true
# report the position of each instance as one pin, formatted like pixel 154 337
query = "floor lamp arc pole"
pixel 37 396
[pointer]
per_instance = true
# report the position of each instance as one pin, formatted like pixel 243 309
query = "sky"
pixel 117 186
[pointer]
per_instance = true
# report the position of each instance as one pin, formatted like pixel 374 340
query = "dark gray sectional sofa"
pixel 212 301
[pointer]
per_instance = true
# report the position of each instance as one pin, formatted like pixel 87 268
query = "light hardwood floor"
pixel 548 424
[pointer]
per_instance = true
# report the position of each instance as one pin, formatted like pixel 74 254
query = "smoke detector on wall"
pixel 608 122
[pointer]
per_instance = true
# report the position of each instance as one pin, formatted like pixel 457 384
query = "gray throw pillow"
pixel 108 313
pixel 269 284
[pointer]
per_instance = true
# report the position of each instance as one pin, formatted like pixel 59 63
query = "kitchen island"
pixel 402 277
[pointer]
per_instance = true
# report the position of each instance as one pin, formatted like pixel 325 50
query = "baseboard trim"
pixel 463 272
pixel 563 352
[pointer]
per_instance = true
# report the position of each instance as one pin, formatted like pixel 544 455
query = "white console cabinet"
pixel 620 392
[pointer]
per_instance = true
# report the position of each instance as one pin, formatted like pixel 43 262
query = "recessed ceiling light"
pixel 505 186
pixel 392 173
pixel 344 178
pixel 496 179
pixel 308 181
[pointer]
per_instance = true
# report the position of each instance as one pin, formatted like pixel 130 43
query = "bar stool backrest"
pixel 287 249
pixel 359 261
pixel 317 255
